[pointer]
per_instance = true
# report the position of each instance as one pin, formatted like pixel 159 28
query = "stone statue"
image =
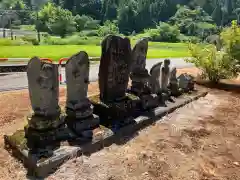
pixel 77 79
pixel 139 74
pixel 186 82
pixel 155 79
pixel 165 74
pixel 80 117
pixel 46 119
pixel 173 82
pixel 114 68
pixel 43 87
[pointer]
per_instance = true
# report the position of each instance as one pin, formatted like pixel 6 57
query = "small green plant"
pixel 215 65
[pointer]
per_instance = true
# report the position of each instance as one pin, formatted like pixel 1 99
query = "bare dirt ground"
pixel 200 141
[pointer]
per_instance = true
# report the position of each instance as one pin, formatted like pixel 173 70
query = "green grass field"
pixel 55 52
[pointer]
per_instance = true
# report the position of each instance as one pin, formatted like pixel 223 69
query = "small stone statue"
pixel 165 74
pixel 80 117
pixel 186 82
pixel 155 73
pixel 173 83
pixel 77 78
pixel 44 94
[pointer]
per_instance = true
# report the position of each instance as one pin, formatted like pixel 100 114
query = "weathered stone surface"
pixel 115 110
pixel 149 101
pixel 78 107
pixel 79 126
pixel 165 74
pixel 155 79
pixel 114 68
pixel 139 74
pixel 42 123
pixel 43 87
pixel 45 122
pixel 186 82
pixel 77 79
pixel 173 83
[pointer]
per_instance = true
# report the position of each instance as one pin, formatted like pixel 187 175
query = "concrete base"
pixel 45 161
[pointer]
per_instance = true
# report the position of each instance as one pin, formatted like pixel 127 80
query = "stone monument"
pixel 173 83
pixel 165 75
pixel 114 68
pixel 140 76
pixel 186 82
pixel 78 107
pixel 44 94
pixel 113 101
pixel 155 78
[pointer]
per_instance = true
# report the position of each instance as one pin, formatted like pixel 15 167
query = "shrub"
pixel 31 40
pixel 230 37
pixel 168 33
pixel 85 22
pixel 9 42
pixel 71 40
pixel 108 28
pixel 163 33
pixel 214 65
pixel 89 33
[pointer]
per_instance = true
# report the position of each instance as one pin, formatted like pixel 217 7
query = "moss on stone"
pixel 18 139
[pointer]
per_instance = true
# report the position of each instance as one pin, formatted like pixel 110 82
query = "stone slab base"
pixel 121 109
pixel 46 161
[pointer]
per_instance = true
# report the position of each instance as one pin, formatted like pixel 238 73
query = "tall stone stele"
pixel 78 107
pixel 43 88
pixel 139 74
pixel 114 68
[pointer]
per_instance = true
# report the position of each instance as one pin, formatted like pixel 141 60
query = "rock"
pixel 173 83
pixel 185 82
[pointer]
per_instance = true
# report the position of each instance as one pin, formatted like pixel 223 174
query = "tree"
pixel 56 20
pixel 127 18
pixel 191 21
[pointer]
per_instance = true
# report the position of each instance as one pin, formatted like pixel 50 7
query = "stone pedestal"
pixel 149 101
pixel 41 131
pixel 116 110
pixel 80 126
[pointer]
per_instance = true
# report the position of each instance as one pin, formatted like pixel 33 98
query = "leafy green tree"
pixel 109 9
pixel 191 21
pixel 56 20
pixel 127 18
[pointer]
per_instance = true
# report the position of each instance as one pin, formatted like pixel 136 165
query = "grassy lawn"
pixel 55 52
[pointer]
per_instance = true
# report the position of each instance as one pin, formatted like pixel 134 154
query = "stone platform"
pixel 46 161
